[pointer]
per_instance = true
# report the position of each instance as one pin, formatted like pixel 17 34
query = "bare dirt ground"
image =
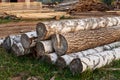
pixel 16 28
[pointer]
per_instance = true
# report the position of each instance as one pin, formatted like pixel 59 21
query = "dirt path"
pixel 16 28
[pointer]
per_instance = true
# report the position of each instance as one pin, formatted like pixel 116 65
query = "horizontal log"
pixel 45 30
pixel 44 47
pixel 9 40
pixel 1 41
pixel 86 39
pixel 65 60
pixel 94 61
pixel 28 39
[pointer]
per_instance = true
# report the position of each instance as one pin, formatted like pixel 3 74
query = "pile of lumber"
pixel 89 5
pixel 21 6
pixel 79 44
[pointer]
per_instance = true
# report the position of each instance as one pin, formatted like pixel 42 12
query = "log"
pixel 45 30
pixel 86 39
pixel 44 47
pixel 28 39
pixel 1 41
pixel 94 61
pixel 9 40
pixel 65 60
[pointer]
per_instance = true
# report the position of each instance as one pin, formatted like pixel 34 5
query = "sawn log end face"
pixel 25 41
pixel 47 59
pixel 59 47
pixel 40 49
pixel 41 30
pixel 61 62
pixel 76 66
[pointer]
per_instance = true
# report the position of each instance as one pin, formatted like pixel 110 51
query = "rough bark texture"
pixel 9 40
pixel 44 47
pixel 82 40
pixel 28 39
pixel 65 60
pixel 45 30
pixel 94 61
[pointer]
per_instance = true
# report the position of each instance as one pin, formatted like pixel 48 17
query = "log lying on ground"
pixel 9 40
pixel 86 39
pixel 65 60
pixel 44 47
pixel 94 61
pixel 1 41
pixel 45 30
pixel 28 39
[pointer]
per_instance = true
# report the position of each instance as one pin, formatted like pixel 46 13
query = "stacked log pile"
pixel 79 44
pixel 89 5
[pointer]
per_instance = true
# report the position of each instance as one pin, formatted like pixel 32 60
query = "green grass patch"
pixel 26 66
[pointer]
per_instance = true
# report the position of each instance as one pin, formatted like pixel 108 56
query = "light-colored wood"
pixel 28 39
pixel 9 40
pixel 65 60
pixel 45 30
pixel 21 6
pixel 36 16
pixel 1 41
pixel 81 64
pixel 44 47
pixel 86 39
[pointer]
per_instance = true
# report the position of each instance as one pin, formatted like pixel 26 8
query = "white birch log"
pixel 44 47
pixel 65 60
pixel 93 61
pixel 9 40
pixel 45 30
pixel 1 41
pixel 28 39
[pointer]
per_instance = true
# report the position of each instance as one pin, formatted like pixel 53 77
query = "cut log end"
pixel 18 49
pixel 47 59
pixel 76 66
pixel 25 41
pixel 61 62
pixel 40 49
pixel 41 30
pixel 7 44
pixel 61 47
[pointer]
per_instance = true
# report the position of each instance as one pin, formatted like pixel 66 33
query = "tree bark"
pixel 28 39
pixel 94 61
pixel 9 40
pixel 82 40
pixel 1 41
pixel 65 60
pixel 45 30
pixel 44 47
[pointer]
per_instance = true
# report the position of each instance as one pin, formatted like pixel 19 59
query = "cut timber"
pixel 18 49
pixel 45 30
pixel 28 39
pixel 94 61
pixel 38 16
pixel 44 47
pixel 82 40
pixel 9 40
pixel 65 60
pixel 1 41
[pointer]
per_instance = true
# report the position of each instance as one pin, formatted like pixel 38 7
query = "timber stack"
pixel 79 44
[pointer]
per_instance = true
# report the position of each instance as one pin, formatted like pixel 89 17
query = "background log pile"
pixel 79 44
pixel 89 5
